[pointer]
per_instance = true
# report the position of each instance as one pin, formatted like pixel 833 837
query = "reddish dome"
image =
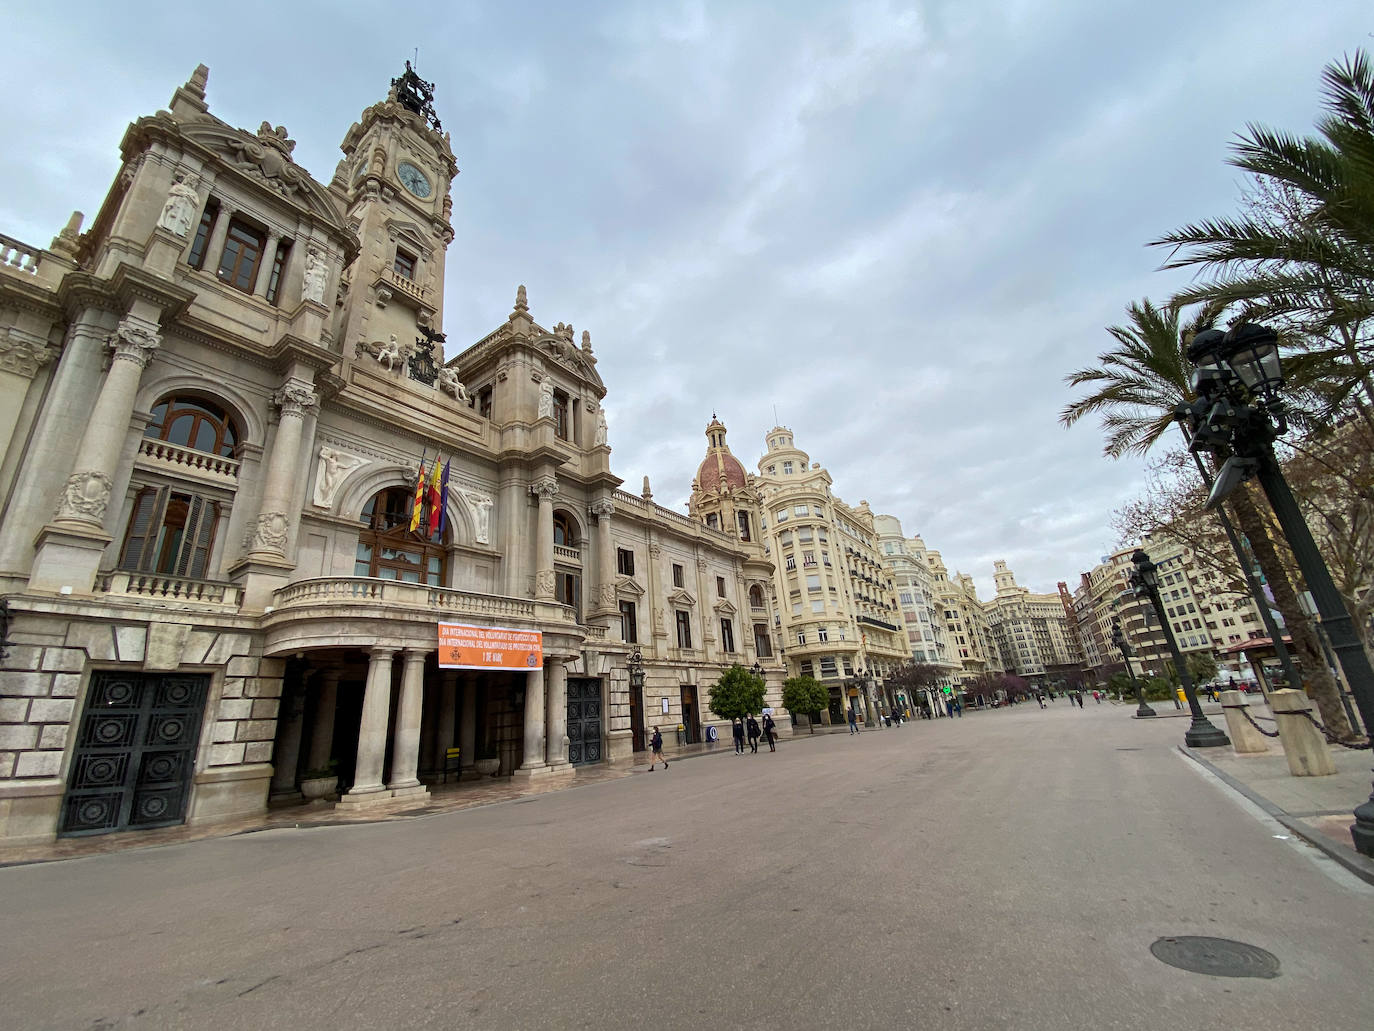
pixel 720 467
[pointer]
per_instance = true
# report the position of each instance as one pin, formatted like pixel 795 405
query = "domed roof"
pixel 719 467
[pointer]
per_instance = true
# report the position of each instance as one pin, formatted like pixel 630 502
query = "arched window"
pixel 564 534
pixel 194 423
pixel 388 550
pixel 755 596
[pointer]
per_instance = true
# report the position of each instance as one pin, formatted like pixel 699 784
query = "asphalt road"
pixel 1006 870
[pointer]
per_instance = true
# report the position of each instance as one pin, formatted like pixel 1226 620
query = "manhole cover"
pixel 1219 957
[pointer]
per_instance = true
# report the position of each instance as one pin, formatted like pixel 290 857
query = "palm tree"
pixel 1302 254
pixel 1134 390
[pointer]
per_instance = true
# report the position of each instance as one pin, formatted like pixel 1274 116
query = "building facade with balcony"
pixel 1031 631
pixel 215 405
pixel 967 632
pixel 917 599
pixel 836 605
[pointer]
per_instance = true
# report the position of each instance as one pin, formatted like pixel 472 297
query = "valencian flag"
pixel 434 502
pixel 443 499
pixel 419 497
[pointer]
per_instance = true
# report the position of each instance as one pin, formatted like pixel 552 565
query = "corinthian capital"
pixel 544 487
pixel 602 508
pixel 23 353
pixel 135 339
pixel 294 397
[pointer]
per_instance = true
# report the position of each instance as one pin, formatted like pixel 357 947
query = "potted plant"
pixel 321 782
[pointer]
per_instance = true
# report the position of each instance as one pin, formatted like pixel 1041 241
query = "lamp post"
pixel 1237 417
pixel 635 666
pixel 1124 647
pixel 1144 579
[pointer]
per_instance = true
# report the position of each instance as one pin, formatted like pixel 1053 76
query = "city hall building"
pixel 259 530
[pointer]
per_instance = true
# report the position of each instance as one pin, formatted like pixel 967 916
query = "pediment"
pixel 399 229
pixel 269 164
pixel 681 597
pixel 723 605
pixel 628 585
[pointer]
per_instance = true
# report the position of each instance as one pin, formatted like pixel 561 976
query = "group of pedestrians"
pixel 753 730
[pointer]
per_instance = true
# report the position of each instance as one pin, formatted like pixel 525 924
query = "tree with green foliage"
pixel 805 695
pixel 1202 667
pixel 737 694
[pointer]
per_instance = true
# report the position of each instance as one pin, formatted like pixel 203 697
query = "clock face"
pixel 413 179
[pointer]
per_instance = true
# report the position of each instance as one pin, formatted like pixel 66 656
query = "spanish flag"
pixel 419 497
pixel 434 502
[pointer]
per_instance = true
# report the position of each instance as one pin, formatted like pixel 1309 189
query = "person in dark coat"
pixel 753 734
pixel 656 743
pixel 770 732
pixel 737 729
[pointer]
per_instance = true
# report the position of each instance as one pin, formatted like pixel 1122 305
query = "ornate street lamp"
pixel 1238 416
pixel 756 669
pixel 635 665
pixel 1144 580
pixel 1124 647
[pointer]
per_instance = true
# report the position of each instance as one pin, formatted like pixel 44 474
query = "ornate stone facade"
pixel 237 520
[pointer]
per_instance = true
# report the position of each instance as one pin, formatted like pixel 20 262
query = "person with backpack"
pixel 656 743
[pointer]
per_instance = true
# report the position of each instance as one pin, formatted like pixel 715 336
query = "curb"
pixel 1359 865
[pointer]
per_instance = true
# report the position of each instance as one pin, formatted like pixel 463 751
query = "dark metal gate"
pixel 584 720
pixel 135 753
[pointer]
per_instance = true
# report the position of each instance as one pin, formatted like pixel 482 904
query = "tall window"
pixel 684 629
pixel 278 264
pixel 238 265
pixel 561 422
pixel 563 533
pixel 170 533
pixel 404 265
pixel 196 259
pixel 713 520
pixel 677 575
pixel 483 402
pixel 727 635
pixel 193 423
pixel 386 547
pixel 755 596
pixel 763 644
pixel 720 587
pixel 567 590
pixel 629 624
pixel 743 519
pixel 625 561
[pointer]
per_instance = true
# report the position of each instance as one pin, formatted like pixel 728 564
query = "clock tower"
pixel 395 174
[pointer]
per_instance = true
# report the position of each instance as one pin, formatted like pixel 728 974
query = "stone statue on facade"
pixel 481 509
pixel 335 465
pixel 180 209
pixel 449 383
pixel 391 354
pixel 546 399
pixel 315 276
pixel 600 439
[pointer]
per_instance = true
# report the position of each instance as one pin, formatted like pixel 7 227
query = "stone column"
pixel 271 530
pixel 545 488
pixel 286 759
pixel 405 747
pixel 448 711
pixel 214 250
pixel 322 734
pixel 606 571
pixel 367 775
pixel 269 255
pixel 557 749
pixel 467 734
pixel 70 547
pixel 21 356
pixel 535 703
pixel 87 493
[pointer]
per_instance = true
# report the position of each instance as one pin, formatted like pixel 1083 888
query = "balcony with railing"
pixel 180 459
pixel 19 257
pixel 174 591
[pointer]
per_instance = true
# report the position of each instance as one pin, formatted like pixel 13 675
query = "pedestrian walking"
pixel 770 732
pixel 1041 699
pixel 1078 697
pixel 737 731
pixel 753 735
pixel 656 743
pixel 853 721
pixel 958 708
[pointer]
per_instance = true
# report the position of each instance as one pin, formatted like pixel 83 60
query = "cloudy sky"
pixel 897 225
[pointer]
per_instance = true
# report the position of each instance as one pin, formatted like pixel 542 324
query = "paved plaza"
pixel 1014 867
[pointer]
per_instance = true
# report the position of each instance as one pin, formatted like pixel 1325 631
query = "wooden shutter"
pixel 141 538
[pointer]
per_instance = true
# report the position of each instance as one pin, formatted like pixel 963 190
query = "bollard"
pixel 1303 744
pixel 1244 736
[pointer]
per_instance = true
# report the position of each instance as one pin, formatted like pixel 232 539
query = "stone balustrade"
pixel 157 587
pixel 371 591
pixel 406 285
pixel 573 554
pixel 181 458
pixel 650 510
pixel 19 257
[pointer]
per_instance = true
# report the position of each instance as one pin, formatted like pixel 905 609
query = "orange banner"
pixel 489 647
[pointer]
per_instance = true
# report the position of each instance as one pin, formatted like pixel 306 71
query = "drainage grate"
pixel 1219 957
